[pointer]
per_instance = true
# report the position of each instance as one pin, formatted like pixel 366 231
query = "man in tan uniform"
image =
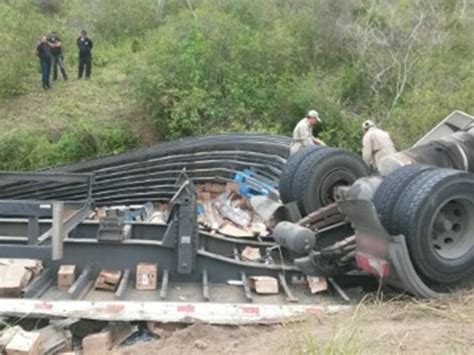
pixel 376 144
pixel 303 132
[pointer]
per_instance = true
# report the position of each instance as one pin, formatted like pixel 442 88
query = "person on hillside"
pixel 43 51
pixel 56 55
pixel 85 45
pixel 376 145
pixel 303 132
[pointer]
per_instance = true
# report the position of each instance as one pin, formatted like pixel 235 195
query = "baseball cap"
pixel 314 113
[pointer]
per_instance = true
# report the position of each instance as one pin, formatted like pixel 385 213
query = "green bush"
pixel 111 20
pixel 28 150
pixel 204 74
pixel 208 66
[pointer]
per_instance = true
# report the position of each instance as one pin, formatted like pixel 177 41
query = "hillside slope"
pixel 100 112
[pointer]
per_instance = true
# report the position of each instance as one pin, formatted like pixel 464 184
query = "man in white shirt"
pixel 376 144
pixel 303 132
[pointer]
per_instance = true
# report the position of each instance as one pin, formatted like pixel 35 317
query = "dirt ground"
pixel 388 327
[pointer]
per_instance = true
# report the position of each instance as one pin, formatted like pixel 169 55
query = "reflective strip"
pixel 214 313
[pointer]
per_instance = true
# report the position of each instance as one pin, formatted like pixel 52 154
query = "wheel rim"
pixel 335 178
pixel 452 228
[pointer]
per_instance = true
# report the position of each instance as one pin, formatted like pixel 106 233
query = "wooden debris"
pixel 233 187
pixel 228 210
pixel 202 220
pixel 34 265
pixel 158 217
pixel 213 218
pixel 13 278
pixel 98 213
pixel 251 254
pixel 264 284
pixel 317 284
pixel 66 276
pixel 98 343
pixel 259 229
pixel 214 188
pixel 24 343
pixel 233 231
pixel 146 276
pixel 54 339
pixel 108 279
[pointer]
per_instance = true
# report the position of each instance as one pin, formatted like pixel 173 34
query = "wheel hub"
pixel 453 229
pixel 335 178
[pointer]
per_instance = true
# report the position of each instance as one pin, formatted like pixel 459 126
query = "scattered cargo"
pixel 198 228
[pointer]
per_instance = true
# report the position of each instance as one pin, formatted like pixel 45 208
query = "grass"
pixel 101 99
pixel 401 325
pixel 77 119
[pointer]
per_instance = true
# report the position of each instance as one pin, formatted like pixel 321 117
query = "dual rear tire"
pixel 434 209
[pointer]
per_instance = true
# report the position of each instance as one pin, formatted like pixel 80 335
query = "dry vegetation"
pixel 402 325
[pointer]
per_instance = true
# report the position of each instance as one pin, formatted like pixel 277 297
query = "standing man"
pixel 85 45
pixel 303 132
pixel 57 55
pixel 44 54
pixel 376 144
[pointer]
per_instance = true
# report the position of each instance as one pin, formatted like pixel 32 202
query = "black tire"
pixel 437 219
pixel 289 170
pixel 320 172
pixel 388 193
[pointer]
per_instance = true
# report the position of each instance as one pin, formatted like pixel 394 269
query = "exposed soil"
pixel 397 326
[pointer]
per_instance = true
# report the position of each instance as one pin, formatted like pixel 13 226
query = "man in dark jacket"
pixel 85 45
pixel 57 55
pixel 44 54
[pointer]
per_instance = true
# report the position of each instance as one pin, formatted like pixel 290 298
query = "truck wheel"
pixel 388 193
pixel 438 223
pixel 322 171
pixel 289 170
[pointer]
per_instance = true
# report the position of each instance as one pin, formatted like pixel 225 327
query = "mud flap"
pixel 380 253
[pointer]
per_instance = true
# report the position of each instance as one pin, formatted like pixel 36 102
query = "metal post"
pixel 33 230
pixel 58 230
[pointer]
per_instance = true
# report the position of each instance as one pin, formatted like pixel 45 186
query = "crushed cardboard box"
pixel 97 343
pixel 24 343
pixel 13 278
pixel 8 335
pixel 251 254
pixel 108 279
pixel 265 285
pixel 34 265
pixel 317 284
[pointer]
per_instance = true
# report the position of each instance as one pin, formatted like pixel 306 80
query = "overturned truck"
pixel 327 220
pixel 413 223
